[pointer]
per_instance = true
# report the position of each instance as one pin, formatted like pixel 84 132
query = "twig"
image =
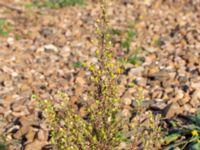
pixel 11 7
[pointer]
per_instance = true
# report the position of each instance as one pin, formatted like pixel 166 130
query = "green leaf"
pixel 133 59
pixel 131 34
pixel 77 64
pixel 125 44
pixel 198 118
pixel 63 3
pixel 173 123
pixel 191 118
pixel 198 115
pixel 194 118
pixel 4 33
pixel 2 22
pixel 5 27
pixel 116 31
pixel 122 60
pixel 194 146
pixel 175 145
pixel 192 127
pixel 172 137
pixel 57 3
pixel 3 147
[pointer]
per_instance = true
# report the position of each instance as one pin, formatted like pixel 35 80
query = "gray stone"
pixel 171 110
pixel 46 32
pixel 195 101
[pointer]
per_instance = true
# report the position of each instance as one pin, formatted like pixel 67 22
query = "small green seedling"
pixel 77 64
pixel 129 35
pixel 134 59
pixel 5 27
pixel 58 3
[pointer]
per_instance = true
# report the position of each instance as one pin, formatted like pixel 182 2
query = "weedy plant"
pixel 3 145
pixel 101 128
pixel 78 64
pixel 57 3
pixel 186 137
pixel 128 35
pixel 104 126
pixel 145 127
pixel 5 27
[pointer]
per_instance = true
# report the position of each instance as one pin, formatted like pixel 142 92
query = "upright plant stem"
pixel 102 47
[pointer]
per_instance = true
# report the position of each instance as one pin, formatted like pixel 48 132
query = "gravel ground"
pixel 42 51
